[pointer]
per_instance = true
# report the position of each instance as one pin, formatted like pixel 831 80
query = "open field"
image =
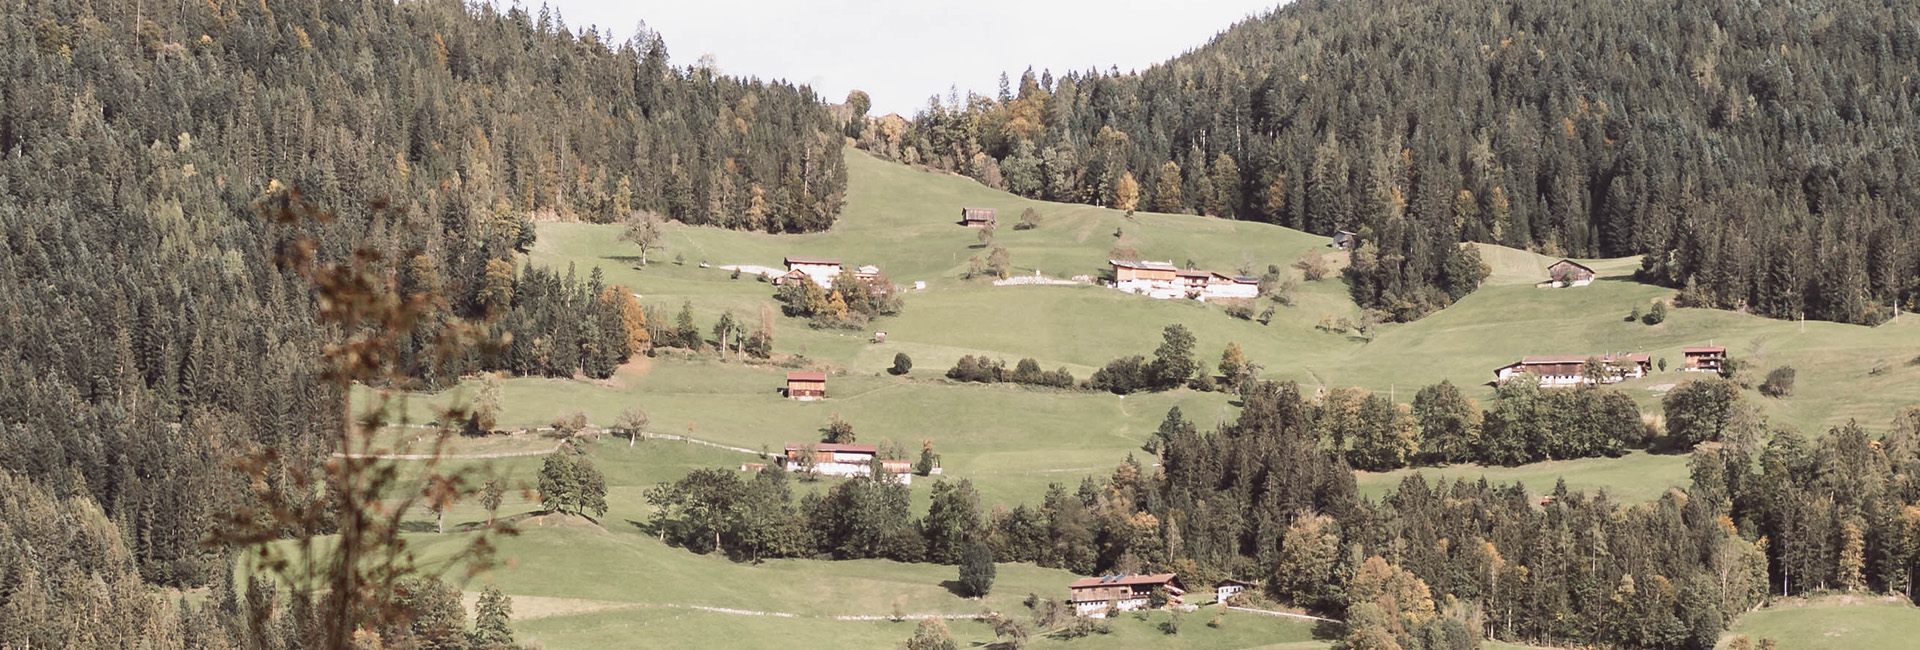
pixel 1638 476
pixel 898 218
pixel 578 584
pixel 1833 623
pixel 586 585
pixel 670 628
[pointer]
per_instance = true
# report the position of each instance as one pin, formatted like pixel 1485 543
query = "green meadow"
pixel 1833 623
pixel 580 584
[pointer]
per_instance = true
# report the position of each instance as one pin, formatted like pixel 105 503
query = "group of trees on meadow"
pixel 850 304
pixel 1525 423
pixel 1755 155
pixel 988 370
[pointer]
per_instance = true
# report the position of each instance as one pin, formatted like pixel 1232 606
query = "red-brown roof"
pixel 1123 579
pixel 1582 267
pixel 836 447
pixel 1541 361
pixel 812 260
pixel 806 376
pixel 1701 350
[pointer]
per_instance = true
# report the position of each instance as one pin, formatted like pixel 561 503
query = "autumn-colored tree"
pixel 1126 195
pixel 633 316
pixel 1166 191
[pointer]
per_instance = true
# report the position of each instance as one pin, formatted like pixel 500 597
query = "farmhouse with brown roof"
pixel 806 386
pixel 1565 370
pixel 1092 596
pixel 1153 279
pixel 1705 359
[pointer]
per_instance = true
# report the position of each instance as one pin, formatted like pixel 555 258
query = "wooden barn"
pixel 977 217
pixel 1345 240
pixel 806 385
pixel 1568 273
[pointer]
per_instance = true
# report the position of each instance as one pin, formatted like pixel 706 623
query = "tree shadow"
pixel 956 588
pixel 1329 630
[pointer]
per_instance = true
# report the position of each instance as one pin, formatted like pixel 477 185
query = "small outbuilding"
pixel 977 217
pixel 1568 273
pixel 806 386
pixel 1345 240
pixel 1230 587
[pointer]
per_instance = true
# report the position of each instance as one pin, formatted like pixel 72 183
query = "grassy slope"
pixel 1011 441
pixel 580 585
pixel 1833 624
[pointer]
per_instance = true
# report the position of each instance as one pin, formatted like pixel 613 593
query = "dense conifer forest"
pixel 148 335
pixel 1759 155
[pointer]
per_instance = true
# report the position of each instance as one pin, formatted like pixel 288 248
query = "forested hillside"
pixel 1759 155
pixel 147 335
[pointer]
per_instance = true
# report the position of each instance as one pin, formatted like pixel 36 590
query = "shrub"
pixel 1313 267
pixel 1029 219
pixel 1779 382
pixel 1656 315
pixel 902 364
pixel 1241 309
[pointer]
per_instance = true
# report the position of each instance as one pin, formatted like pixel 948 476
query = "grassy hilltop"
pixel 580 585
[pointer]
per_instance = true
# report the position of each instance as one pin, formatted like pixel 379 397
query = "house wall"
pixel 1098 608
pixel 1231 290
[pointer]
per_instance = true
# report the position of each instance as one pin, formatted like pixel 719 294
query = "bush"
pixel 1656 315
pixel 1779 382
pixel 1241 309
pixel 902 364
pixel 1029 219
pixel 1313 267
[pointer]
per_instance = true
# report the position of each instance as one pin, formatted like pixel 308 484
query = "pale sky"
pixel 902 52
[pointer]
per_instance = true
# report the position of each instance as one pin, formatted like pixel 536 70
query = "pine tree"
pixel 493 620
pixel 977 570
